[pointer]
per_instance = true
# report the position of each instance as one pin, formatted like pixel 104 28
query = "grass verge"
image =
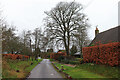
pixel 17 68
pixel 90 71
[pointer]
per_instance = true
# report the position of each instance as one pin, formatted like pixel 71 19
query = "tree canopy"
pixel 64 21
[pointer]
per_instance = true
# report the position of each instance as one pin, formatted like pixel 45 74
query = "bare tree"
pixel 47 42
pixel 81 39
pixel 37 38
pixel 25 42
pixel 63 22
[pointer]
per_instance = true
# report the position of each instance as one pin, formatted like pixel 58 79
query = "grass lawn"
pixel 10 67
pixel 90 70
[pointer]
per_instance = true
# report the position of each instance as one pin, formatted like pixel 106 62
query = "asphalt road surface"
pixel 44 70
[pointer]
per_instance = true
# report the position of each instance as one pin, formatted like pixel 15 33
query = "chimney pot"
pixel 96 31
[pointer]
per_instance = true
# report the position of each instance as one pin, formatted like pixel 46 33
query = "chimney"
pixel 96 31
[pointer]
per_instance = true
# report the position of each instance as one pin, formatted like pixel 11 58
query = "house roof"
pixel 77 53
pixel 61 51
pixel 111 35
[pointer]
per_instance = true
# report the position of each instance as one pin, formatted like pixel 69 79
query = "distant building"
pixel 77 54
pixel 108 36
pixel 61 51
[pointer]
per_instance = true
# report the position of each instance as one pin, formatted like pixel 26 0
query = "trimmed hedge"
pixel 103 54
pixel 15 56
pixel 56 55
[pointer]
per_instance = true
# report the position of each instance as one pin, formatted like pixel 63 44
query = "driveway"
pixel 45 70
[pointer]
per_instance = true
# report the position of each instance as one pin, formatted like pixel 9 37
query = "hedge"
pixel 15 56
pixel 103 54
pixel 56 55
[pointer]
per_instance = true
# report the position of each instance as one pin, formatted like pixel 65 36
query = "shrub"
pixel 56 55
pixel 60 58
pixel 69 57
pixel 65 61
pixel 52 56
pixel 103 54
pixel 81 61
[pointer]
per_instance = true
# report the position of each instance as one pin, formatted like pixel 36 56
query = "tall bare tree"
pixel 25 42
pixel 37 37
pixel 81 39
pixel 63 22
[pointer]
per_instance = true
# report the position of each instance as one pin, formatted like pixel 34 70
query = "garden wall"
pixel 103 54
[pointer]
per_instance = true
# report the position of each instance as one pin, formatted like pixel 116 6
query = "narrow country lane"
pixel 44 70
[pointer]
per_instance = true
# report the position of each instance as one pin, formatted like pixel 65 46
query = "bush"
pixel 60 58
pixel 103 54
pixel 81 61
pixel 48 56
pixel 69 58
pixel 56 55
pixel 66 61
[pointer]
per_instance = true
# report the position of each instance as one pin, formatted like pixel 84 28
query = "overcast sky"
pixel 29 14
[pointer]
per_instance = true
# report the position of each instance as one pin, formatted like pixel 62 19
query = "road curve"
pixel 44 70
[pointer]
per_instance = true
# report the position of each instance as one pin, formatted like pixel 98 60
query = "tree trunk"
pixel 68 41
pixel 66 46
pixel 81 52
